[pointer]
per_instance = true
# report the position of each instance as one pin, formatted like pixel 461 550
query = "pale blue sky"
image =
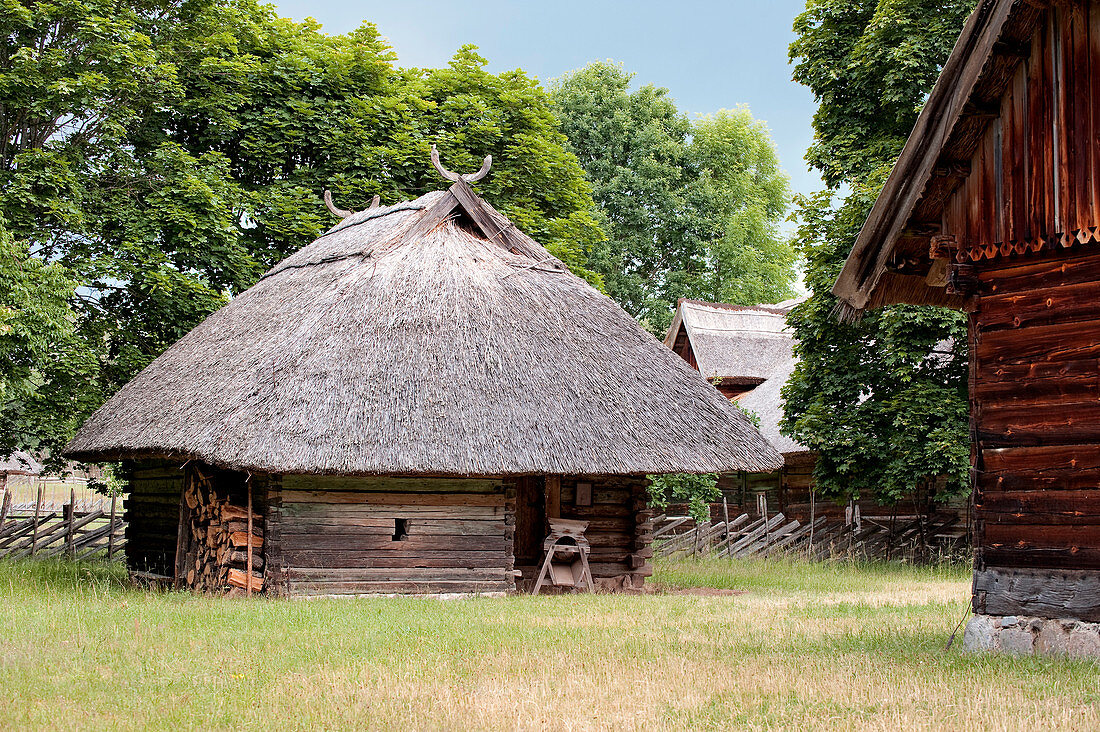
pixel 710 55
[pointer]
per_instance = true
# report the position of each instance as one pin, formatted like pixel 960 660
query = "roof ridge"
pixel 732 306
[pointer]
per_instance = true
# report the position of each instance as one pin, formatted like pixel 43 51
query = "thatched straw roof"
pixel 427 337
pixel 749 345
pixel 20 463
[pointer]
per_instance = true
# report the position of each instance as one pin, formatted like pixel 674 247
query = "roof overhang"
pixel 983 58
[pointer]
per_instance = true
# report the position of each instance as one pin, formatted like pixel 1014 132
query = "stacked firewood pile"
pixel 218 551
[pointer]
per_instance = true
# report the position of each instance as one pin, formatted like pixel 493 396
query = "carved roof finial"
pixel 342 213
pixel 332 207
pixel 455 177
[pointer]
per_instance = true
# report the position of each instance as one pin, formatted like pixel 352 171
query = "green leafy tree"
pixel 691 209
pixel 156 157
pixel 882 400
pixel 696 490
pixel 45 369
pixel 740 195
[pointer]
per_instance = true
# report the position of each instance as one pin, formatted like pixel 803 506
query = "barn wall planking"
pixel 620 527
pixel 1034 399
pixel 1034 172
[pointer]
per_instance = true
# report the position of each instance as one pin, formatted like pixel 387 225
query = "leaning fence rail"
pixel 75 529
pixel 918 538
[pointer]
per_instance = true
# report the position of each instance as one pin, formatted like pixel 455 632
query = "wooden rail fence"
pixel 77 529
pixel 917 538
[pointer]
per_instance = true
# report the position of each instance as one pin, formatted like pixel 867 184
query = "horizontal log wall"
pixel 152 514
pixel 620 528
pixel 336 535
pixel 1035 402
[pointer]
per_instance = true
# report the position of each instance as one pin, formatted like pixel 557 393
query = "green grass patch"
pixel 808 646
pixel 784 575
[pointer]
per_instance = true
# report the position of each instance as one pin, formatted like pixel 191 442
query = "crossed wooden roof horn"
pixel 453 177
pixel 344 213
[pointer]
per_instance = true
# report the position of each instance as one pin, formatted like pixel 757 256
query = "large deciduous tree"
pixel 882 400
pixel 157 156
pixel 691 208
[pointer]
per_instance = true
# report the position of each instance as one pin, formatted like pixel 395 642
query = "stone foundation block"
pixel 1022 634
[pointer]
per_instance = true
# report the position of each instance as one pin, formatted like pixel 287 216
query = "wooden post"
pixel 182 531
pixel 37 512
pixel 553 496
pixel 111 530
pixel 248 542
pixel 810 543
pixel 726 518
pixel 69 534
pixel 5 508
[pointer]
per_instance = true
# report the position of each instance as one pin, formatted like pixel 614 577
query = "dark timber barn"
pixel 994 208
pixel 405 403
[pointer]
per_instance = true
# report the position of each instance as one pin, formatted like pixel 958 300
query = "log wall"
pixel 339 535
pixel 620 527
pixel 1035 406
pixel 152 514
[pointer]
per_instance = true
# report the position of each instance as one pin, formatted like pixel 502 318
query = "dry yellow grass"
pixel 807 647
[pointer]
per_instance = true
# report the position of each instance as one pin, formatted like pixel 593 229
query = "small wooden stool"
pixel 566 562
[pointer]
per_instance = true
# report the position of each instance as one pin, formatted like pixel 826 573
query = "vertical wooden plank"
pixel 992 187
pixel 1005 155
pixel 1079 106
pixel 553 496
pixel 1094 112
pixel 1062 79
pixel 1038 96
pixel 69 535
pixel 5 507
pixel 183 530
pixel 111 530
pixel 1019 173
pixel 248 541
pixel 37 514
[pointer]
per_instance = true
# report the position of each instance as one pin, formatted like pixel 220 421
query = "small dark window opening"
pixel 400 529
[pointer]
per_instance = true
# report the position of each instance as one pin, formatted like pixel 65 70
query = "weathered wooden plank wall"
pixel 342 535
pixel 620 527
pixel 1033 182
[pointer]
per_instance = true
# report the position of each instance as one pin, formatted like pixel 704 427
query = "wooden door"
pixel 530 520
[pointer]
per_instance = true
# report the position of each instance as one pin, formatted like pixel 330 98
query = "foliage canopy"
pixel 691 208
pixel 156 157
pixel 883 400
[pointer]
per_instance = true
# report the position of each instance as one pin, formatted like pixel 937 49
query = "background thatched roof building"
pixel 746 351
pixel 430 338
pixel 19 463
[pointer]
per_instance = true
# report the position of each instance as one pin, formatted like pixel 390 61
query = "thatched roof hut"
pixel 410 339
pixel 747 352
pixel 19 463
pixel 425 338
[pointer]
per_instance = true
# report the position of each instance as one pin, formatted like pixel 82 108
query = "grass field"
pixel 805 647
